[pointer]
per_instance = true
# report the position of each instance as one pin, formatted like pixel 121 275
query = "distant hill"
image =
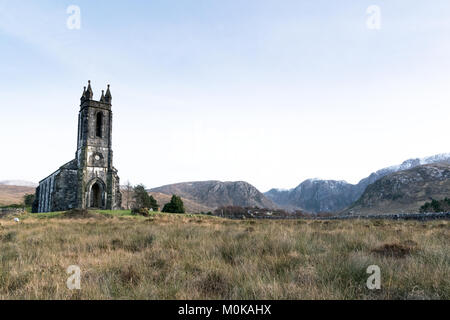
pixel 404 191
pixel 214 194
pixel 19 183
pixel 316 195
pixel 162 199
pixel 13 194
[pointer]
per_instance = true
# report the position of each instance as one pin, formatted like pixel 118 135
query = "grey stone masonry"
pixel 90 180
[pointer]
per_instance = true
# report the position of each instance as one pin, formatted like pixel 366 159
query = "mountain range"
pixel 393 188
pixel 316 195
pixel 404 191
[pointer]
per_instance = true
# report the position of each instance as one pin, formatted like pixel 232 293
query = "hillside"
pixel 13 194
pixel 404 191
pixel 189 205
pixel 316 195
pixel 213 194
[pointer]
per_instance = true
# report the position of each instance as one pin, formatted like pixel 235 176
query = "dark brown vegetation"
pixel 396 250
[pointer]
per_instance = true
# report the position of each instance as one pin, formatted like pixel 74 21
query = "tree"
pixel 142 199
pixel 153 203
pixel 128 194
pixel 174 206
pixel 28 200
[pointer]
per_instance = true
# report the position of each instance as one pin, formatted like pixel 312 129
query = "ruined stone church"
pixel 90 180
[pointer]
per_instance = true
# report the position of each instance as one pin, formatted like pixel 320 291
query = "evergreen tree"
pixel 153 203
pixel 175 205
pixel 142 199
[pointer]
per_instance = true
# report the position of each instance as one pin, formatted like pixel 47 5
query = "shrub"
pixel 28 199
pixel 141 211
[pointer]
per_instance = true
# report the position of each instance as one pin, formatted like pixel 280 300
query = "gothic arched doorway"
pixel 96 196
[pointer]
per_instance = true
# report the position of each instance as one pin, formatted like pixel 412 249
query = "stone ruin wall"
pixel 58 192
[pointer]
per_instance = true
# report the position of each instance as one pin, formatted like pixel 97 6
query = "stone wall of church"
pixel 114 196
pixel 57 192
pixel 46 190
pixel 65 192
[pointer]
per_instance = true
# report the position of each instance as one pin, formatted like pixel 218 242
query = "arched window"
pixel 99 125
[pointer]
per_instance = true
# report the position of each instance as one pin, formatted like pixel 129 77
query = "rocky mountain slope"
pixel 408 164
pixel 214 194
pixel 404 191
pixel 332 196
pixel 314 195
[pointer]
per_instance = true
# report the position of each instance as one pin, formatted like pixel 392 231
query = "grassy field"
pixel 200 257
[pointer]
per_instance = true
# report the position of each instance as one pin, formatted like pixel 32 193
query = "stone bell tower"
pixel 98 182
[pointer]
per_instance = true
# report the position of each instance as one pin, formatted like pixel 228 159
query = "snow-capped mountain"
pixel 317 195
pixel 408 164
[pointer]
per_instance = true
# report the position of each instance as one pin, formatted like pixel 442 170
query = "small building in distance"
pixel 90 180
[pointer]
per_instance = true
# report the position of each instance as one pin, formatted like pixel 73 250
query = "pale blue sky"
pixel 270 92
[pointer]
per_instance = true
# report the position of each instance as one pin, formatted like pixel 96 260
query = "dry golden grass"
pixel 200 257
